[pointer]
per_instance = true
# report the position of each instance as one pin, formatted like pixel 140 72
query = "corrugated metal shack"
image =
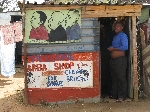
pixel 69 70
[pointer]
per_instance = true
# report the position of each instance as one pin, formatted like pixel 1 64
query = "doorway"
pixel 18 50
pixel 106 37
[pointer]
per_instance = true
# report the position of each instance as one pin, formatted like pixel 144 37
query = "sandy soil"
pixel 11 100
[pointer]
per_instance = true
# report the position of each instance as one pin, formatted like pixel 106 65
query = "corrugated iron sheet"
pixel 60 2
pixel 146 59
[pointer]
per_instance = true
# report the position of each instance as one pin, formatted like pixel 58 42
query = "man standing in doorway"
pixel 119 63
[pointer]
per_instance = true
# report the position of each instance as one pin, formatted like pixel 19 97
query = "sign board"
pixel 60 74
pixel 52 26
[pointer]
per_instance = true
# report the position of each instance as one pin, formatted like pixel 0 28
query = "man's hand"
pixel 110 48
pixel 113 49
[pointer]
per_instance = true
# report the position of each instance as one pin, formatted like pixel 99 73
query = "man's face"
pixel 35 20
pixel 118 28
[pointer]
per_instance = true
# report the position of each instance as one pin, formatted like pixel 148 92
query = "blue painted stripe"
pixel 62 49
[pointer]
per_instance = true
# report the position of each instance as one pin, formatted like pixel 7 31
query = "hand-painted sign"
pixel 49 26
pixel 60 74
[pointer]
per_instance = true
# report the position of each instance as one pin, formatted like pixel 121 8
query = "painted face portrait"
pixel 35 20
pixel 73 17
pixel 38 31
pixel 57 21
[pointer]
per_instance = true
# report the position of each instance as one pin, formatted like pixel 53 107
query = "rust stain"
pixel 50 72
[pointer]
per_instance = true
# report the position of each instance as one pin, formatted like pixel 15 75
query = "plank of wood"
pixel 90 11
pixel 126 8
pixel 53 8
pixel 130 82
pixel 95 8
pixel 135 71
pixel 88 8
pixel 25 56
pixel 122 11
pixel 102 14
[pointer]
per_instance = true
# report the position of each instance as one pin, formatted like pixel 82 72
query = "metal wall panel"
pixel 44 49
pixel 89 30
pixel 90 39
pixel 90 22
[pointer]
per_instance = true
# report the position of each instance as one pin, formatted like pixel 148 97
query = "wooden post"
pixel 100 55
pixel 135 72
pixel 25 55
pixel 130 90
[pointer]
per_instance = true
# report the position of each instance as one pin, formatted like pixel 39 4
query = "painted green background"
pixel 56 17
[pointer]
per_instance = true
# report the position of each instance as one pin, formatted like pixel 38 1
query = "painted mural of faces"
pixel 38 18
pixel 65 19
pixel 53 23
pixel 73 17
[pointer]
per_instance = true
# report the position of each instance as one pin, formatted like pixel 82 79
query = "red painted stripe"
pixel 50 72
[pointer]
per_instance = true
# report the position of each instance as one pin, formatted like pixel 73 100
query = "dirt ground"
pixel 11 100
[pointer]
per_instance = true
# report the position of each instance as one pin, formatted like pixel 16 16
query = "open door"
pixel 107 23
pixel 18 50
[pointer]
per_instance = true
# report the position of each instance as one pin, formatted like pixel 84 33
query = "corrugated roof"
pixel 109 2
